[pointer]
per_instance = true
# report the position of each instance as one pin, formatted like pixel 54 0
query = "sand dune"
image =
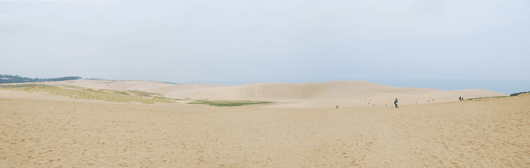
pixel 300 95
pixel 40 130
pixel 154 87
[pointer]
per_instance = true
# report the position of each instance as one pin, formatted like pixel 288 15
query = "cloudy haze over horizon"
pixel 272 41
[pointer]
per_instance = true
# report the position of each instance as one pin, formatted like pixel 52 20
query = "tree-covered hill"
pixel 19 79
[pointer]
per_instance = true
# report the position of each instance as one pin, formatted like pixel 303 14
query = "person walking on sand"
pixel 395 103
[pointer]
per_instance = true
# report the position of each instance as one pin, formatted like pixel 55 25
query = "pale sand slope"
pixel 48 131
pixel 300 95
pixel 153 87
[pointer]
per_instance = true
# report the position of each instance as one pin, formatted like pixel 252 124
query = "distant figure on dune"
pixel 337 106
pixel 460 98
pixel 395 103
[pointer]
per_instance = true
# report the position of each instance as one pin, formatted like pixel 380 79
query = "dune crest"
pixel 316 94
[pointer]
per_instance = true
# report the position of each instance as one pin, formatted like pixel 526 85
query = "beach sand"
pixel 41 130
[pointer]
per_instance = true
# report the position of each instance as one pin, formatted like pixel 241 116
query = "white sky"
pixel 259 41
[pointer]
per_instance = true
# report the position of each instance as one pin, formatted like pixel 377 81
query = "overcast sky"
pixel 258 41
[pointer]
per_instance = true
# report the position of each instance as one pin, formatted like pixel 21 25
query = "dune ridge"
pixel 316 94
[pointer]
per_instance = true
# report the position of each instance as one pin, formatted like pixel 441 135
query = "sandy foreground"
pixel 39 130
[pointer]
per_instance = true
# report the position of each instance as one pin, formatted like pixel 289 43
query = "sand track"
pixel 73 133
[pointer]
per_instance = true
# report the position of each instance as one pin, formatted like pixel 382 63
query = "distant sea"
pixel 502 86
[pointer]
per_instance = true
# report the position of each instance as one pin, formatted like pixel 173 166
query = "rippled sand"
pixel 44 131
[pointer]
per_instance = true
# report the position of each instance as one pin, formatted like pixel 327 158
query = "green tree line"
pixel 19 79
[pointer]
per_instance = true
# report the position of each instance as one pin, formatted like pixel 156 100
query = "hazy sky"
pixel 277 41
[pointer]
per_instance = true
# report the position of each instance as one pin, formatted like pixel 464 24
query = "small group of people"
pixel 461 98
pixel 395 103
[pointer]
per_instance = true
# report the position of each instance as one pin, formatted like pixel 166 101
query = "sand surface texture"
pixel 39 130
